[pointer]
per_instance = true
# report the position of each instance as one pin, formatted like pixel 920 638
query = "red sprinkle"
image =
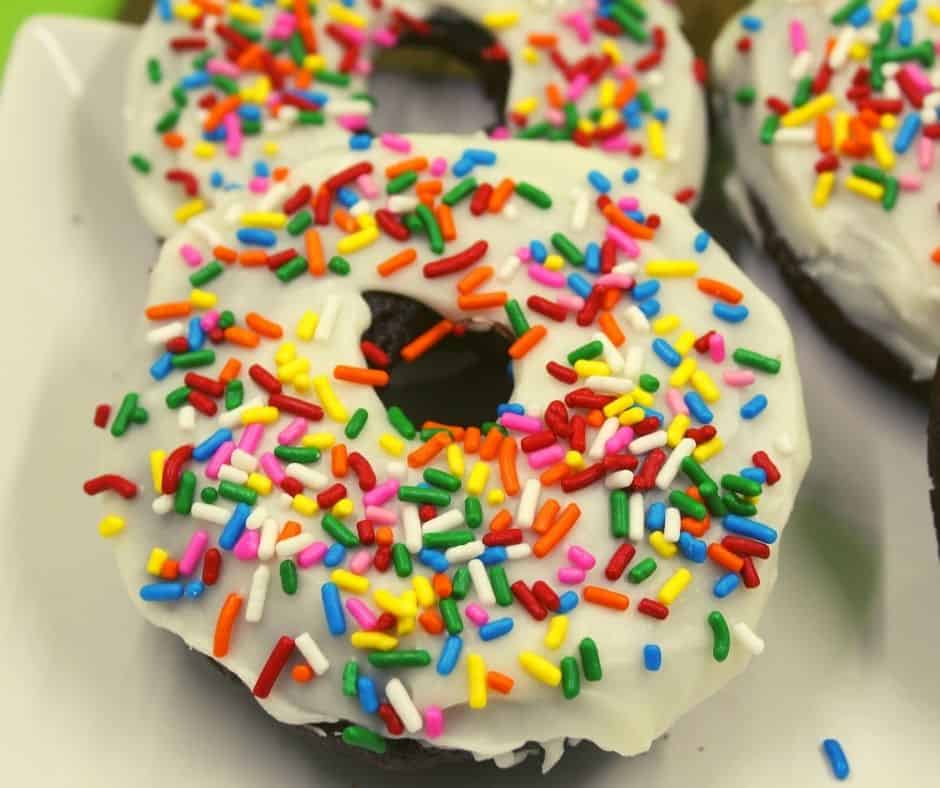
pixel 762 460
pixel 272 668
pixel 393 723
pixel 578 436
pixel 749 575
pixel 173 467
pixel 585 478
pixel 265 379
pixel 503 538
pixel 332 495
pixel 209 386
pixel 298 199
pixel 528 600
pixel 363 470
pixel 547 308
pixel 546 596
pixel 366 531
pixel 646 476
pixel 457 262
pixel 111 481
pixel 296 407
pixel 653 609
pixel 742 546
pixel 349 174
pixel 202 403
pixel 537 440
pixel 211 566
pixel 374 354
pixel 561 372
pixel 619 561
pixel 102 414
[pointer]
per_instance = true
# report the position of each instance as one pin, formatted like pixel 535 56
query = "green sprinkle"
pixel 633 8
pixel 570 678
pixel 357 736
pixel 337 78
pixel 140 415
pixel 124 414
pixel 311 117
pixel 350 679
pixel 486 426
pixel 179 97
pixel 462 190
pixel 406 658
pixel 140 163
pixel 745 95
pixel 642 570
pixel 460 584
pixel 740 485
pixel 200 61
pixel 769 128
pixel 567 249
pixel 687 505
pixel 441 479
pixel 646 101
pixel 754 360
pixel 296 48
pixel 238 493
pixel 339 266
pixel 299 222
pixel 631 26
pixel 154 70
pixel 420 495
pixel 452 620
pixel 206 274
pixel 291 269
pixel 209 494
pixel 226 84
pixel 356 423
pixel 234 394
pixel 534 195
pixel 535 131
pixel 249 31
pixel 691 468
pixel 194 358
pixel 473 511
pixel 435 239
pixel 429 432
pixel 299 454
pixel 289 577
pixel 500 583
pixel 843 14
pixel 619 514
pixel 586 352
pixel 401 560
pixel 447 539
pixel 649 383
pixel 413 223
pixel 401 423
pixel 404 181
pixel 803 92
pixel 721 634
pixel 340 532
pixel 571 116
pixel 737 506
pixel 178 397
pixel 709 492
pixel 251 127
pixel 892 190
pixel 870 173
pixel 362 95
pixel 168 121
pixel 226 319
pixel 185 493
pixel 590 660
pixel 516 317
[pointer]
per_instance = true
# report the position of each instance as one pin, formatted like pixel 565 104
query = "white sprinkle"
pixel 294 544
pixel 244 461
pixel 619 480
pixel 268 541
pixel 784 444
pixel 800 136
pixel 258 593
pixel 187 418
pixel 528 502
pixel 233 418
pixel 604 434
pixel 670 469
pixel 481 582
pixel 404 706
pixel 579 214
pixel 411 525
pixel 162 505
pixel 634 362
pixel 516 551
pixel 210 513
pixel 612 356
pixel 163 334
pixel 285 501
pixel 637 320
pixel 256 519
pixel 328 318
pixel 628 268
pixel 465 552
pixel 801 65
pixel 508 269
pixel 673 527
pixel 448 521
pixel 645 443
pixel 402 203
pixel 605 384
pixel 311 652
pixel 229 473
pixel 396 470
pixel 310 478
pixel 637 517
pixel 840 51
pixel 748 638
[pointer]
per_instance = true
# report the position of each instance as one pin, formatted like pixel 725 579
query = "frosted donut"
pixel 612 534
pixel 223 93
pixel 833 113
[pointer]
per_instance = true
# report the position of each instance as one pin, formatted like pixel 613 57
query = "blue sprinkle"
pixel 360 141
pixel 650 307
pixel 195 80
pixel 752 23
pixel 579 285
pixel 165 10
pixel 637 216
pixel 693 549
pixel 599 181
pixel 368 697
pixel 462 167
pixel 261 169
pixel 313 96
pixel 538 251
pixel 656 516
pixel 216 179
pixel 568 601
pixel 496 628
pixel 655 414
pixel 480 156
pixel 661 114
pixel 905 137
pixel 510 407
pixel 630 175
pixel 195 589
pixel 256 236
pixel 333 609
pixel 701 241
pixel 162 367
pixel 161 592
pixel 730 313
pixel 742 526
pixel 335 555
pixel 207 448
pixel 249 112
pixel 592 258
pixel 652 657
pixel 758 475
pixel 908 7
pixel 195 336
pixel 235 526
pixel 216 135
pixel 861 17
pixel 643 290
pixel 698 408
pixel 434 559
pixel 754 407
pixel 666 352
pixel 726 584
pixel 837 759
pixel 347 197
pixel 447 661
pixel 906 32
pixel 493 555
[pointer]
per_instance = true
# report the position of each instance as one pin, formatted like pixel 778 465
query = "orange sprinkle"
pixel 339 460
pixel 267 328
pixel 501 521
pixel 442 586
pixel 824 133
pixel 397 261
pixel 501 195
pixel 431 622
pixel 253 258
pixel 870 118
pixel 456 433
pixel 546 516
pixel 859 130
pixel 174 140
pixel 303 79
pixel 228 613
pixel 565 522
pixel 554 474
pixel 384 535
pixel 170 569
pixel 429 450
pixel 632 228
pixel 555 96
pixel 936 255
pixel 595 418
pixel 476 277
pixel 483 300
pixel 414 164
pixel 242 336
pixel 316 263
pixel 720 290
pixel 218 112
pixel 698 528
pixel 605 598
pixel 490 447
pixel 525 343
pixel 507 466
pixel 499 682
pixel 345 221
pixel 280 173
pixel 430 186
pixel 225 254
pixel 168 310
pixel 250 58
pixel 445 220
pixel 418 347
pixel 611 298
pixel 543 40
pixel 626 92
pixel 291 528
pixel 611 328
pixel 231 370
pixel 471 440
pixel 363 376
pixel 722 556
pixel 426 198
pixel 301 673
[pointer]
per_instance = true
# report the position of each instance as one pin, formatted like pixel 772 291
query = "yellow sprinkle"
pixel 870 189
pixel 557 631
pixel 391 444
pixel 204 150
pixel 674 586
pixel 609 117
pixel 478 476
pixel 357 241
pixel 400 607
pixel 530 55
pixel 286 353
pixel 405 626
pixel 307 326
pixel 308 507
pixel 289 371
pixel 331 403
pixel 377 641
pixel 609 48
pixel 859 51
pixel 889 121
pixel 809 111
pixel 666 324
pixel 663 268
pixel 110 525
pixel 708 450
pixel 500 20
pixel 684 343
pixel 643 398
pixel 203 299
pixel 424 591
pixel 933 14
pixel 681 374
pixel 660 545
pixel 455 459
pixel 270 148
pixel 883 154
pixel 343 508
pixel 341 14
pixel 618 406
pixel 245 13
pixel 586 126
pixel 540 668
pixel 268 220
pixel 554 262
pixel 260 483
pixel 704 385
pixel 476 681
pixel 258 92
pixel 367 221
pixel 495 496
pixel 314 62
pixel 303 383
pixel 187 11
pixel 265 414
pixel 606 93
pixel 887 10
pixel 632 416
pixel 157 458
pixel 586 369
pixel 526 106
pixel 350 581
pixel 841 130
pixel 574 459
pixel 656 137
pixel 824 184
pixel 676 431
pixel 158 557
pixel 318 440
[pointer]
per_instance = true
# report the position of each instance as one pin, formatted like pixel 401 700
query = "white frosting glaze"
pixel 630 707
pixel 670 85
pixel 875 264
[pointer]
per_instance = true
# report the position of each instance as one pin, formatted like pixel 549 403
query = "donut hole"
pixel 461 380
pixel 440 79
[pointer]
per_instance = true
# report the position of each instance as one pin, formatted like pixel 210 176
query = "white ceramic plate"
pixel 90 695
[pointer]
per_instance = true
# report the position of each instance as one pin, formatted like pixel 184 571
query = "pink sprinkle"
pixel 476 614
pixel 500 133
pixel 433 721
pixel 438 166
pixel 716 347
pixel 246 548
pixel 572 303
pixel 925 151
pixel 191 255
pixel 675 402
pixel 623 71
pixel 311 555
pixel 384 37
pixel 545 277
pixel 251 438
pixel 618 281
pixel 798 38
pixel 570 575
pixel 738 378
pixel 545 457
pixel 628 204
pixel 194 550
pixel 578 22
pixel 355 34
pixel 272 467
pixel 381 493
pixel 293 432
pixel 209 320
pixel 367 186
pixel 910 183
pixel 555 116
pixel 353 122
pixel 362 67
pixel 381 516
pixel 361 562
pixel 223 67
pixel 524 253
pixel 258 185
pixel 365 618
pixel 519 423
pixel 395 142
pixel 619 440
pixel 617 144
pixel 233 135
pixel 221 457
pixel 629 247
pixel 581 558
pixel 919 77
